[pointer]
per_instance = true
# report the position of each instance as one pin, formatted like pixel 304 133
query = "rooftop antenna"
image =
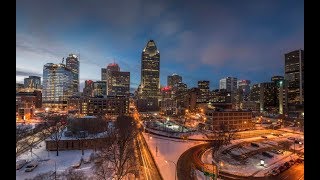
pixel 62 60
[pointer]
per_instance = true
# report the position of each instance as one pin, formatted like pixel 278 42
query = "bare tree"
pixel 44 176
pixel 223 138
pixel 119 149
pixel 103 171
pixel 72 175
pixel 22 132
pixel 54 127
pixel 285 145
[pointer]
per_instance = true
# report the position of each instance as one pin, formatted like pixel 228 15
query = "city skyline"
pixel 198 41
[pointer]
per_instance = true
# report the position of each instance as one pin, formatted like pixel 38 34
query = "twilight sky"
pixel 199 40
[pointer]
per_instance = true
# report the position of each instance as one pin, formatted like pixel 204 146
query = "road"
pixel 185 167
pixel 148 165
pixel 296 172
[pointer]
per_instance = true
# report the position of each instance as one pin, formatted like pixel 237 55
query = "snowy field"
pixel 168 149
pixel 252 166
pixel 49 159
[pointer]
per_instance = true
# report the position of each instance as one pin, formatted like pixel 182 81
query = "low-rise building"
pixel 230 120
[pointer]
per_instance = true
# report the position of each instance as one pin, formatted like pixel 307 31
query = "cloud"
pixel 27 73
pixel 217 38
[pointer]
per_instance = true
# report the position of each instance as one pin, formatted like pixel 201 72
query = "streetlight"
pixel 175 173
pixel 261 162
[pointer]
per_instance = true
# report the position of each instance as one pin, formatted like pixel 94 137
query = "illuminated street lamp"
pixel 261 162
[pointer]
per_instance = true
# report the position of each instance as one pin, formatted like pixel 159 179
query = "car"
pixel 275 172
pixel 299 160
pixel 287 164
pixel 20 164
pixel 291 138
pixel 267 154
pixel 31 166
pixel 282 168
pixel 276 135
pixel 291 162
pixel 254 145
pixel 264 137
pixel 276 151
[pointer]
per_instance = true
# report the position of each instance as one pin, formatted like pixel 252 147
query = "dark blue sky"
pixel 199 40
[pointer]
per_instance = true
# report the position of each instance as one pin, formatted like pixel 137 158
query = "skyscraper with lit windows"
pixel 150 71
pixel 57 85
pixel 32 82
pixel 294 78
pixel 72 63
pixel 149 88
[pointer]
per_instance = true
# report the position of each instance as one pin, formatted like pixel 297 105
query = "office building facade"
pixel 32 82
pixel 173 80
pixel 294 77
pixel 57 85
pixel 72 63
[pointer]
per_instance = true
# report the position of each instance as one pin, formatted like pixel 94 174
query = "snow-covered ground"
pixel 252 165
pixel 65 160
pixel 199 136
pixel 168 149
pixel 292 129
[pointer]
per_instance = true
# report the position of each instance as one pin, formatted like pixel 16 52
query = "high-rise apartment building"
pixel 294 77
pixel 57 85
pixel 72 62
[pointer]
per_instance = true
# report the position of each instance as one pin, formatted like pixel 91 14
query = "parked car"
pixel 276 151
pixel 291 162
pixel 282 168
pixel 30 167
pixel 267 154
pixel 20 164
pixel 275 172
pixel 264 137
pixel 299 160
pixel 291 138
pixel 254 145
pixel 276 135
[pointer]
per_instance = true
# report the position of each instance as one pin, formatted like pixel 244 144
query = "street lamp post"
pixel 175 172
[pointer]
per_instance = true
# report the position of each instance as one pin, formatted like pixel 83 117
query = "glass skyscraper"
pixel 72 62
pixel 57 85
pixel 32 82
pixel 294 76
pixel 99 88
